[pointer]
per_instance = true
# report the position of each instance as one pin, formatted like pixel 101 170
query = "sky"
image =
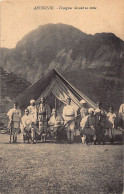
pixel 19 17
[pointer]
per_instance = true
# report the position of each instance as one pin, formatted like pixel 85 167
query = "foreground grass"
pixel 60 168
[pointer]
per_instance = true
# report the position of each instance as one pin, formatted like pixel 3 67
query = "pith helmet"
pixel 82 101
pixel 32 101
pixel 53 110
pixel 90 110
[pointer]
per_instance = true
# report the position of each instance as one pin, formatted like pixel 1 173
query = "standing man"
pixel 14 115
pixel 69 114
pixel 111 124
pixel 33 110
pixel 100 123
pixel 43 116
pixel 83 109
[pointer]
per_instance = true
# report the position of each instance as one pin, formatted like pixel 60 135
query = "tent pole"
pixel 55 103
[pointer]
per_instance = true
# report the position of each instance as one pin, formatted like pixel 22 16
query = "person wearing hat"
pixel 69 113
pixel 111 124
pixel 88 127
pixel 83 109
pixel 14 115
pixel 100 123
pixel 43 116
pixel 54 122
pixel 33 110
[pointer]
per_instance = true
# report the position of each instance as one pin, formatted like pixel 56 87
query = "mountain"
pixel 38 49
pixel 85 60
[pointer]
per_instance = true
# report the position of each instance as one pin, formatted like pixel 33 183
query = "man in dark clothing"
pixel 43 116
pixel 100 123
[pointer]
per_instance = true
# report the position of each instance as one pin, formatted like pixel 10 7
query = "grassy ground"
pixel 60 168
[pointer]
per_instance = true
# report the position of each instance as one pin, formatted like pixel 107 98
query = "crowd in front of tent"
pixel 40 123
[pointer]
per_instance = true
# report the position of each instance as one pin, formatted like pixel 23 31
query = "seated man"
pixel 54 122
pixel 26 124
pixel 28 127
pixel 88 127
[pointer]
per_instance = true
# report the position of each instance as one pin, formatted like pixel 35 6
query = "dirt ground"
pixel 60 168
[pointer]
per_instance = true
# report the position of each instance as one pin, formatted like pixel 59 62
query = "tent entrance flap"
pixel 60 92
pixel 53 102
pixel 57 91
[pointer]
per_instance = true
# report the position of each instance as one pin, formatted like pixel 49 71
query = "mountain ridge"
pixel 52 45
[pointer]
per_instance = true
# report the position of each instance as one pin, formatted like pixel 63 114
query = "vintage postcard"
pixel 61 96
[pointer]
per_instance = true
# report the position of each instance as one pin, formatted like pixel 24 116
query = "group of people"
pixel 40 121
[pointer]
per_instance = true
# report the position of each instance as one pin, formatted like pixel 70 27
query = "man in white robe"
pixel 69 113
pixel 14 115
pixel 33 110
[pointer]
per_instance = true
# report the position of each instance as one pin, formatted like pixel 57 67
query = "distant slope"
pixel 63 47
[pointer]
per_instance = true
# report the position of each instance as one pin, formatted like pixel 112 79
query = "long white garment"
pixel 69 113
pixel 14 116
pixel 33 112
pixel 111 118
pixel 26 120
pixel 57 121
pixel 52 121
pixel 121 109
pixel 84 121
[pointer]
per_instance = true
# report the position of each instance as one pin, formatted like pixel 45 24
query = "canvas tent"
pixel 53 86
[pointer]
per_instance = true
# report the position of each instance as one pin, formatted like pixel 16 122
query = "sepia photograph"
pixel 61 96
